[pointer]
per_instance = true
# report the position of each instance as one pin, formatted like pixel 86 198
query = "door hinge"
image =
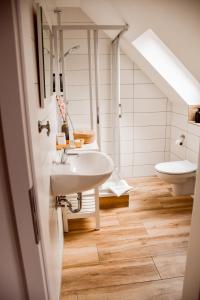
pixel 34 213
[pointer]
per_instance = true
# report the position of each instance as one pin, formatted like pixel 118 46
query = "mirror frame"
pixel 41 63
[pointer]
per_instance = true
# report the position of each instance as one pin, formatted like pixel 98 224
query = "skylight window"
pixel 168 66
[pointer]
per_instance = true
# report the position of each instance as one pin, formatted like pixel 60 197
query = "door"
pixel 191 288
pixel 29 154
pixel 18 180
pixel 43 151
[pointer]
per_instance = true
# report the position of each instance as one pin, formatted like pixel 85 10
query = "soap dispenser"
pixel 197 116
pixel 65 129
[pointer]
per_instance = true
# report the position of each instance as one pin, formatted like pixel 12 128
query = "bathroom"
pixel 140 117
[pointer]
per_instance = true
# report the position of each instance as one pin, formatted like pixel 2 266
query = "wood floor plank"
pixel 145 204
pixel 107 274
pixel 178 201
pixel 69 297
pixel 83 238
pixel 170 265
pixel 169 289
pixel 93 297
pixel 163 227
pixel 76 256
pixel 132 217
pixel 142 247
pixel 109 220
pixel 139 252
pixel 89 223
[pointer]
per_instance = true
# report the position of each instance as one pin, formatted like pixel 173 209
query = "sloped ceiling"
pixel 177 23
pixel 163 60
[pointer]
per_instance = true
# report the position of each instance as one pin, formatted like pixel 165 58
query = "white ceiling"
pixel 63 3
pixel 177 23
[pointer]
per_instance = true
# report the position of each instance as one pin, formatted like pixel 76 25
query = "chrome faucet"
pixel 66 153
pixel 63 161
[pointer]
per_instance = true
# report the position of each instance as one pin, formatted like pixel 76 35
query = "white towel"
pixel 119 187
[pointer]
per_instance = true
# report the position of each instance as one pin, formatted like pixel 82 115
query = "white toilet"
pixel 181 175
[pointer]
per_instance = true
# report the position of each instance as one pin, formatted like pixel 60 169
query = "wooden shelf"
pixel 85 147
pixel 194 123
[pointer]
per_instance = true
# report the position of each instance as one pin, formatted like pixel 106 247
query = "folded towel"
pixel 119 187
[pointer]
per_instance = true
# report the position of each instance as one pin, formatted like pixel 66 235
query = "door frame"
pixel 191 287
pixel 18 159
pixel 18 152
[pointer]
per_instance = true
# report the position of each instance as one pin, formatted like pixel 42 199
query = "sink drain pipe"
pixel 61 201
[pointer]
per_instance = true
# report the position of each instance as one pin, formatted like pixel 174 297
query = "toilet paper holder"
pixel 180 140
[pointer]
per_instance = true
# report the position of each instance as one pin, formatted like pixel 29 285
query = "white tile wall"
pixel 126 63
pixel 147 90
pixel 149 119
pixel 126 91
pixel 150 123
pixel 127 119
pixel 140 77
pixel 126 76
pixel 178 120
pixel 180 125
pixel 154 145
pixel 144 120
pixel 143 170
pixel 126 133
pixel 148 158
pixel 127 105
pixel 149 132
pixel 149 105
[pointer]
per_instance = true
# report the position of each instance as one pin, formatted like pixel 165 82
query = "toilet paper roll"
pixel 180 140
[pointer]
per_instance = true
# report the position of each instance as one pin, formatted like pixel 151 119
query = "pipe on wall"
pixel 96 67
pixel 90 78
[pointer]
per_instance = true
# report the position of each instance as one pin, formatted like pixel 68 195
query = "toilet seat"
pixel 176 167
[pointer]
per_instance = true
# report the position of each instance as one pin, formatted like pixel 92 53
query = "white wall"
pixel 43 152
pixel 150 123
pixel 148 118
pixel 144 126
pixel 176 23
pixel 180 125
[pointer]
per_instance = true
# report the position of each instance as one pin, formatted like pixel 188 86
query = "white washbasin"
pixel 82 172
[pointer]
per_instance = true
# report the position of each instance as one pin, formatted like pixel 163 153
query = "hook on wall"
pixel 44 126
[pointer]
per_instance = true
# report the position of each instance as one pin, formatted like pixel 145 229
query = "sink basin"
pixel 82 172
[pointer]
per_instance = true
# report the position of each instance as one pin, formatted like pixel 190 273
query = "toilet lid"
pixel 176 167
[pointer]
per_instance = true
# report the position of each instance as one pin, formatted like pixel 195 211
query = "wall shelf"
pixel 86 147
pixel 192 109
pixel 194 123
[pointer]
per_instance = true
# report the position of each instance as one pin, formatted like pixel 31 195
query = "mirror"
pixel 45 54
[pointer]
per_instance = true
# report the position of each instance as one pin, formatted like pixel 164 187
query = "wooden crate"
pixel 114 201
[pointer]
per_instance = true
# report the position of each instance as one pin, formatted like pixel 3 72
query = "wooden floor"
pixel 138 254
